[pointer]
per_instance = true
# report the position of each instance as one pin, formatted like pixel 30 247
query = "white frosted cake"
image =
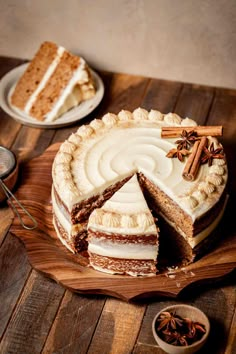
pixel 181 169
pixel 122 234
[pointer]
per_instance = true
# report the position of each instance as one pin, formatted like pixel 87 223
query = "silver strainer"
pixel 7 165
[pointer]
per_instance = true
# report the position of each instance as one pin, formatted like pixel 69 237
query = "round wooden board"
pixel 49 256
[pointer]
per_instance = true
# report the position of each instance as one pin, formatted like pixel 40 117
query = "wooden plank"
pixel 195 102
pixel 223 112
pixel 8 63
pixel 147 349
pixel 231 342
pixel 14 271
pixel 118 328
pixel 79 316
pixel 8 128
pixel 126 92
pixel 31 142
pixel 31 321
pixel 6 217
pixel 162 95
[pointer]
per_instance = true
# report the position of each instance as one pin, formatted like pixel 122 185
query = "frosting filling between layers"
pixel 123 251
pixel 44 80
pixel 79 76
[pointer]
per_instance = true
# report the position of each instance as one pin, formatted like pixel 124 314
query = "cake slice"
pixel 54 82
pixel 122 234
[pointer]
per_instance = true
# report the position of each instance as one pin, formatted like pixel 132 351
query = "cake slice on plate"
pixel 54 82
pixel 122 234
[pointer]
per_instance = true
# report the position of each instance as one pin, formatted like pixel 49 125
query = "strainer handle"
pixel 10 195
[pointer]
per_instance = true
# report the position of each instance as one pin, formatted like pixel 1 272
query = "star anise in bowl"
pixel 168 320
pixel 180 326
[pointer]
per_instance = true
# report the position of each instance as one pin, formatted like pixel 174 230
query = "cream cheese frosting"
pixel 118 146
pixel 68 96
pixel 123 251
pixel 126 212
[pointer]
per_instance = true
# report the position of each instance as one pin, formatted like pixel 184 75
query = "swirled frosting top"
pixel 109 149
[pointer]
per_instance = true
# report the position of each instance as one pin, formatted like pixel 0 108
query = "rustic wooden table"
pixel 37 315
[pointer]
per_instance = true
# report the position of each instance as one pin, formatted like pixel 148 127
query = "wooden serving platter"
pixel 47 254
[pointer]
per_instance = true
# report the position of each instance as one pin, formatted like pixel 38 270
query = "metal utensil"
pixel 7 165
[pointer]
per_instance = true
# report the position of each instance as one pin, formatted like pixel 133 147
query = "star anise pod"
pixel 179 153
pixel 168 320
pixel 187 139
pixel 211 153
pixel 191 329
pixel 200 328
pixel 174 338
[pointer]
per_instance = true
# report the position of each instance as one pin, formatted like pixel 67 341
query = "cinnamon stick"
pixel 173 132
pixel 193 162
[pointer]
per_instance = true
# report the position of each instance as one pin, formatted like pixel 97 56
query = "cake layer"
pixel 128 238
pixel 117 249
pixel 206 231
pixel 76 242
pixel 82 210
pixel 171 211
pixel 73 236
pixel 34 74
pixel 132 267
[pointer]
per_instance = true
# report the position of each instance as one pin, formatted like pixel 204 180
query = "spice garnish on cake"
pixel 200 153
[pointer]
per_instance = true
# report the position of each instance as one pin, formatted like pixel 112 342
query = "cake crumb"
pixel 171 276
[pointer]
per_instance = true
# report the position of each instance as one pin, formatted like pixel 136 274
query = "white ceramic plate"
pixel 83 109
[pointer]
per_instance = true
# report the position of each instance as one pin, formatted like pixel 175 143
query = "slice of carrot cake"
pixel 122 234
pixel 54 82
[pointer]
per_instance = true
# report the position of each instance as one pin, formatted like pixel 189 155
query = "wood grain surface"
pixel 38 315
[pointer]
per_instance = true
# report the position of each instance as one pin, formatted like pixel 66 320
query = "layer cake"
pixel 102 156
pixel 54 82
